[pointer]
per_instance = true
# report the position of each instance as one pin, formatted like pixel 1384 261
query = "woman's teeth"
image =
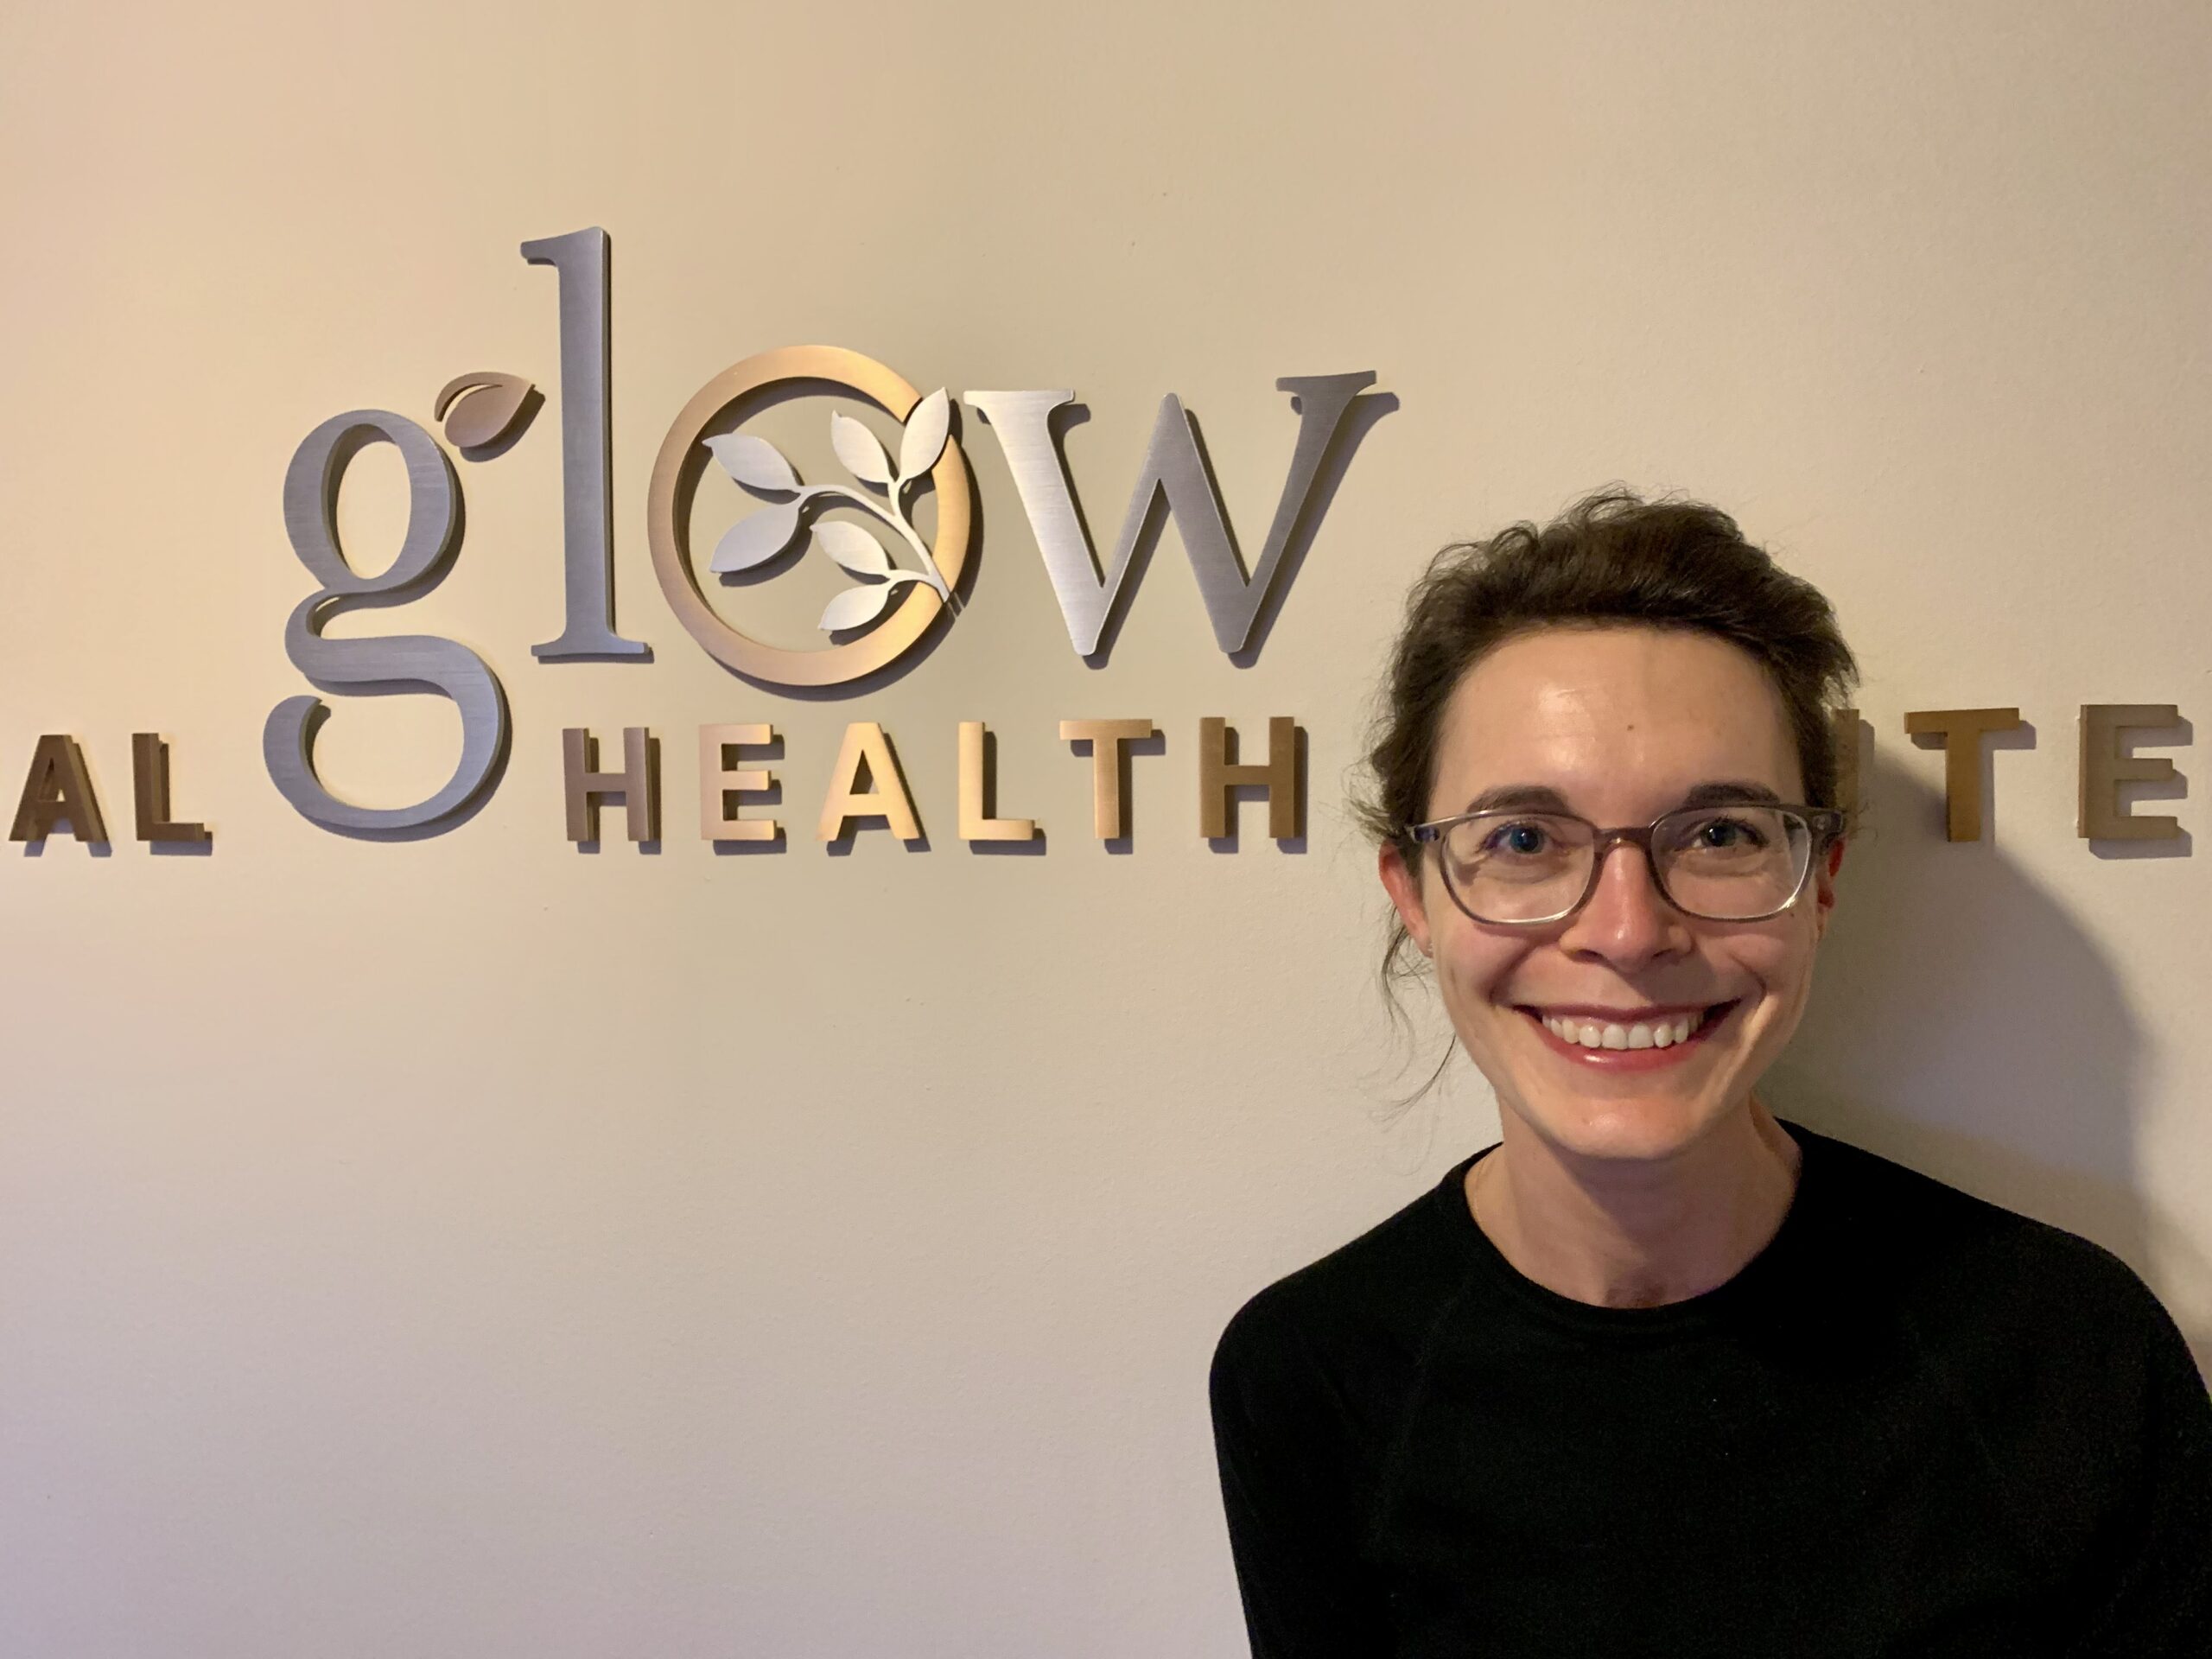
pixel 1658 1033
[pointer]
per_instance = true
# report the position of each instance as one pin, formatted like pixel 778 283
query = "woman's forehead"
pixel 1608 716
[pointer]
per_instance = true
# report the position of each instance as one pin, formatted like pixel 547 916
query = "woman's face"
pixel 1621 724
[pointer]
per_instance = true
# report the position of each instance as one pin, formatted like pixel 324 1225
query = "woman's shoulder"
pixel 1899 1212
pixel 1959 1264
pixel 1372 1301
pixel 2061 1366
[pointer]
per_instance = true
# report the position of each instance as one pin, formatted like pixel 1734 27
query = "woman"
pixel 1659 1374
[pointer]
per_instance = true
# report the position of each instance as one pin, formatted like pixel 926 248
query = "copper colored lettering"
pixel 638 784
pixel 1218 777
pixel 58 787
pixel 1109 809
pixel 976 789
pixel 149 783
pixel 866 744
pixel 2105 766
pixel 1958 732
pixel 718 819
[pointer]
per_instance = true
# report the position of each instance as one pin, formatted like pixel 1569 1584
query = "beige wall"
pixel 473 1246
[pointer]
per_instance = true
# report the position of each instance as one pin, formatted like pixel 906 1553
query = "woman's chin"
pixel 1640 1126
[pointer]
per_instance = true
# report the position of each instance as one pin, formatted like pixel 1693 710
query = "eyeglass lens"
pixel 1734 863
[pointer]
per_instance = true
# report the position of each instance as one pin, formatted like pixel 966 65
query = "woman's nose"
pixel 1627 921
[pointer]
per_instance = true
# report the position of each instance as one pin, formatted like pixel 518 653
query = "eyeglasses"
pixel 1733 862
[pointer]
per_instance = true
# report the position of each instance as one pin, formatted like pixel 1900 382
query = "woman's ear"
pixel 1404 887
pixel 1824 874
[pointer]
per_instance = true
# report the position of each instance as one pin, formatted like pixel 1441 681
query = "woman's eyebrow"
pixel 1535 797
pixel 1730 792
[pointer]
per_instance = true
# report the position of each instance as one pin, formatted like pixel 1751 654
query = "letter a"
pixel 58 787
pixel 886 798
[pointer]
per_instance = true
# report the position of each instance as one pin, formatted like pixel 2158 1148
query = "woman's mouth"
pixel 1627 1039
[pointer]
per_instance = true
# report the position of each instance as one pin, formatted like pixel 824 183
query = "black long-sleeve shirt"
pixel 1915 1424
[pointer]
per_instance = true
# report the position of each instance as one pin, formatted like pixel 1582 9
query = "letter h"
pixel 1218 779
pixel 638 782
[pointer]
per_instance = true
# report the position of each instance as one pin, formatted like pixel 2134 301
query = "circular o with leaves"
pixel 884 490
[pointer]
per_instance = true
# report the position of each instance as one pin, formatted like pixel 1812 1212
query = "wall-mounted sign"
pixel 903 587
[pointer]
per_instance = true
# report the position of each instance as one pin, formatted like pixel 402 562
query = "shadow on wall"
pixel 1966 1026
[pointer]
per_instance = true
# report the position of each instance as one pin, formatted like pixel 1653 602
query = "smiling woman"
pixel 1659 1373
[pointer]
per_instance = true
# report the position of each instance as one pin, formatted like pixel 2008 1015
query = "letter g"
pixel 395 663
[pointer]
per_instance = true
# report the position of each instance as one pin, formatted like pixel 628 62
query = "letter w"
pixel 1174 467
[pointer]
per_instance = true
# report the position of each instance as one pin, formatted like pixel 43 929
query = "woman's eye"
pixel 1727 832
pixel 1520 840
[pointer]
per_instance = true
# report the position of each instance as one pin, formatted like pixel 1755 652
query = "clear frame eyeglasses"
pixel 1736 861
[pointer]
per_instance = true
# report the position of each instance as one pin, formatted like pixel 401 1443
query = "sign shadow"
pixel 1965 1024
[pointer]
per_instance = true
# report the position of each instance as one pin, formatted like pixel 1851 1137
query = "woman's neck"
pixel 1622 1233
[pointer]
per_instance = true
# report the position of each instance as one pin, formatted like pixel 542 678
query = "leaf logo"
pixel 756 464
pixel 484 406
pixel 856 550
pixel 877 472
pixel 923 441
pixel 857 448
pixel 855 607
pixel 755 540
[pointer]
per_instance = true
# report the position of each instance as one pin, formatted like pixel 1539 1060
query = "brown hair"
pixel 1610 560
